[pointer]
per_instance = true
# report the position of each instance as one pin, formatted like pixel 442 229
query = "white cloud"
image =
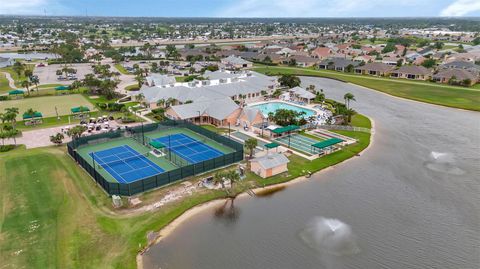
pixel 21 7
pixel 461 7
pixel 317 8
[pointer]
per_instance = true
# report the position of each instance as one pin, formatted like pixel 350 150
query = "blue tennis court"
pixel 125 164
pixel 189 149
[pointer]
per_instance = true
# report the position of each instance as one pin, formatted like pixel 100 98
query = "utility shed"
pixel 269 165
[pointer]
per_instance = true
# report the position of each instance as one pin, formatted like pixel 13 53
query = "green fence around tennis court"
pixel 128 189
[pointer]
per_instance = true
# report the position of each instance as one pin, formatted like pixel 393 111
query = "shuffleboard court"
pixel 299 142
pixel 189 149
pixel 125 164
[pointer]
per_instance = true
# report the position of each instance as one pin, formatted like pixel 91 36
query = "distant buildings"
pixel 5 62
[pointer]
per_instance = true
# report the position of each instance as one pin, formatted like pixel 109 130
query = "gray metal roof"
pixel 245 85
pixel 160 80
pixel 216 108
pixel 271 160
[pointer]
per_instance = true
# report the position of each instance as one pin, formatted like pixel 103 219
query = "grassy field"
pixel 121 69
pixel 358 120
pixel 457 97
pixel 18 79
pixel 46 105
pixel 54 216
pixel 4 87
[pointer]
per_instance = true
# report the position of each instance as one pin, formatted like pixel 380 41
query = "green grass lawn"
pixel 359 120
pixel 4 87
pixel 55 216
pixel 132 87
pixel 18 79
pixel 215 129
pixel 457 97
pixel 46 105
pixel 181 79
pixel 121 69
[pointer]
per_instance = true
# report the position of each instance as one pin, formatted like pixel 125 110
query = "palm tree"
pixel 348 114
pixel 170 101
pixel 348 97
pixel 26 84
pixel 219 177
pixel 161 102
pixel 233 176
pixel 35 80
pixel 11 115
pixel 140 79
pixel 251 144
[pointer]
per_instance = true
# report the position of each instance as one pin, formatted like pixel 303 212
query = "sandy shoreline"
pixel 167 230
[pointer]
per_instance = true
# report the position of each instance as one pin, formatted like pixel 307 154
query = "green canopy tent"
pixel 27 116
pixel 156 144
pixel 16 92
pixel 62 88
pixel 286 129
pixel 272 145
pixel 327 143
pixel 80 109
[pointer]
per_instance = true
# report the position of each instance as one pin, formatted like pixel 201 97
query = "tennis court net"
pixel 101 164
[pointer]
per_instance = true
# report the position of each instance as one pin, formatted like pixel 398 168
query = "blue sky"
pixel 245 8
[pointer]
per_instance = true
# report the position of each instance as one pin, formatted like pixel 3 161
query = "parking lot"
pixel 47 74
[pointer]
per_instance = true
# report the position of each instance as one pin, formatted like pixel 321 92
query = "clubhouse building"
pixel 218 100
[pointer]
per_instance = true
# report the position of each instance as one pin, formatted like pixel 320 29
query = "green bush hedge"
pixel 5 148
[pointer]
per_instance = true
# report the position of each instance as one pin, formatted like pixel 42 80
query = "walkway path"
pixel 11 82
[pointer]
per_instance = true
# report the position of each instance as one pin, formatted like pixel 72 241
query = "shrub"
pixel 5 148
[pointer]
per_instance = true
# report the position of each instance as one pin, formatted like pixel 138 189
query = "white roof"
pixel 301 92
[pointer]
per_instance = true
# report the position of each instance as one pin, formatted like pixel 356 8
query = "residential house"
pixel 269 165
pixel 337 64
pixel 412 72
pixel 461 65
pixel 375 69
pixel 303 61
pixel 390 60
pixel 322 52
pixel 364 58
pixel 457 75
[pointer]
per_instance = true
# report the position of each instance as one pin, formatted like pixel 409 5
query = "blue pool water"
pixel 274 106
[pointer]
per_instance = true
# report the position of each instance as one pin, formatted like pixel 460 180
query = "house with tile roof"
pixel 456 76
pixel 322 52
pixel 375 69
pixel 412 72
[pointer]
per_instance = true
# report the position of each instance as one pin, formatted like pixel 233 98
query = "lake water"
pixel 412 200
pixel 31 56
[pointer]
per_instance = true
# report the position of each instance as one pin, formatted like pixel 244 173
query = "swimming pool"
pixel 274 106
